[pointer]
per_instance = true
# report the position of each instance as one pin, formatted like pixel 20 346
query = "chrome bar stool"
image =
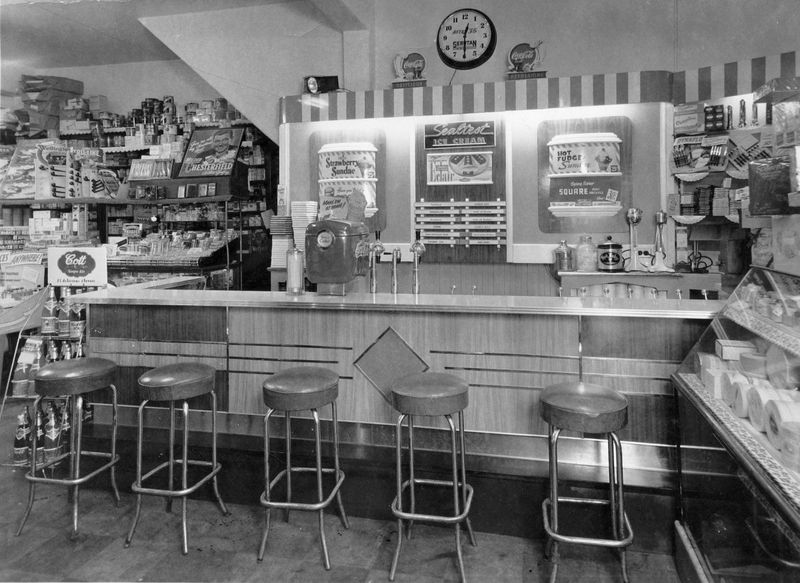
pixel 431 394
pixel 74 378
pixel 586 408
pixel 176 382
pixel 297 389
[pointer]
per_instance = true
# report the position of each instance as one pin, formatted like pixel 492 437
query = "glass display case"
pixel 739 438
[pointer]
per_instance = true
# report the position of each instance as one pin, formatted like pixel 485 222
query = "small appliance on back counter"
pixel 336 253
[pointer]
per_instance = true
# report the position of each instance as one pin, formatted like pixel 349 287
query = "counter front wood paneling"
pixel 508 348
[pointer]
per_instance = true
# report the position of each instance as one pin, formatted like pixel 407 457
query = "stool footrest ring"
pixel 437 518
pixel 139 489
pixel 72 481
pixel 303 505
pixel 599 542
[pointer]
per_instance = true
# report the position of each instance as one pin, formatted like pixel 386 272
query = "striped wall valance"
pixel 688 86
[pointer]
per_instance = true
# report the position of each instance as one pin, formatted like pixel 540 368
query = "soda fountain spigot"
pixel 376 249
pixel 659 254
pixel 395 261
pixel 417 248
pixel 634 217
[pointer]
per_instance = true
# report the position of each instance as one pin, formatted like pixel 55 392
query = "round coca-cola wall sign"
pixel 76 263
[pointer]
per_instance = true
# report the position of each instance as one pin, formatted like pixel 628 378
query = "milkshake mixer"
pixel 634 217
pixel 659 255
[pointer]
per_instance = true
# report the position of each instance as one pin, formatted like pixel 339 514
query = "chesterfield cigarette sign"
pixel 461 134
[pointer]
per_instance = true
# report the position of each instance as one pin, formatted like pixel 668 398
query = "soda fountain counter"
pixel 739 438
pixel 506 347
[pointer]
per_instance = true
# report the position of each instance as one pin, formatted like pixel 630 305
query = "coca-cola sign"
pixel 525 58
pixel 76 263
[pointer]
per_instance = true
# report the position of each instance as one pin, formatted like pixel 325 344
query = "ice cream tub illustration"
pixel 347 161
pixel 585 154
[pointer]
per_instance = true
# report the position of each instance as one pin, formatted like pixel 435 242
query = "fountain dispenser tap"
pixel 376 249
pixel 417 249
pixel 395 261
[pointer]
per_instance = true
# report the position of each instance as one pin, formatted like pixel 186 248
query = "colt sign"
pixel 77 266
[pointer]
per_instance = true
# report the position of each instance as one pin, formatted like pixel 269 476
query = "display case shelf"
pixel 775 332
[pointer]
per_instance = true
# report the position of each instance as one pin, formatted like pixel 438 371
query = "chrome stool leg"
pixel 288 438
pixel 456 495
pixel 214 482
pixel 267 497
pixel 621 518
pixel 114 421
pixel 462 440
pixel 184 478
pixel 336 469
pixel 320 495
pixel 138 481
pixel 76 466
pixel 399 484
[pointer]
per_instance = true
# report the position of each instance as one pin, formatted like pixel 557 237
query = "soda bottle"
pixel 77 320
pixel 64 437
pixel 22 438
pixel 51 433
pixel 39 429
pixel 65 308
pixel 49 325
pixel 52 351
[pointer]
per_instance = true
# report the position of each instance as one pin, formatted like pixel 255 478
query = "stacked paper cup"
pixel 790 445
pixel 730 384
pixel 757 399
pixel 779 414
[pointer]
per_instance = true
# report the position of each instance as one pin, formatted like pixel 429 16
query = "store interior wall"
pixel 254 55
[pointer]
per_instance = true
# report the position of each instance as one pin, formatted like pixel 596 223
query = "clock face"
pixel 466 39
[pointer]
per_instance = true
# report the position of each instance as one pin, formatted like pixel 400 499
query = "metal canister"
pixel 609 256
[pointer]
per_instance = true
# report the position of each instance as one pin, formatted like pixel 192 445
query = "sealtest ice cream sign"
pixel 77 266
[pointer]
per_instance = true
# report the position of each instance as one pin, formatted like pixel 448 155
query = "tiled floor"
pixel 223 548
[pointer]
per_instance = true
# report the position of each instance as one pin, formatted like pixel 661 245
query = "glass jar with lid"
pixel 586 254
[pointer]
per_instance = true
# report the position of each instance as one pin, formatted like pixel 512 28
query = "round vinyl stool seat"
pixel 75 376
pixel 430 393
pixel 584 407
pixel 301 388
pixel 176 382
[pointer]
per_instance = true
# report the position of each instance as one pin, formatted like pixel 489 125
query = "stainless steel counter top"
pixel 494 304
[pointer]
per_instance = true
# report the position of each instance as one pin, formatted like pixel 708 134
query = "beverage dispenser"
pixel 337 252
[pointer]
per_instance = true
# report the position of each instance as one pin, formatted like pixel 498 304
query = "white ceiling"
pixel 45 34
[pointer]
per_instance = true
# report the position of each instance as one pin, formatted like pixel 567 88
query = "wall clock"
pixel 466 39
